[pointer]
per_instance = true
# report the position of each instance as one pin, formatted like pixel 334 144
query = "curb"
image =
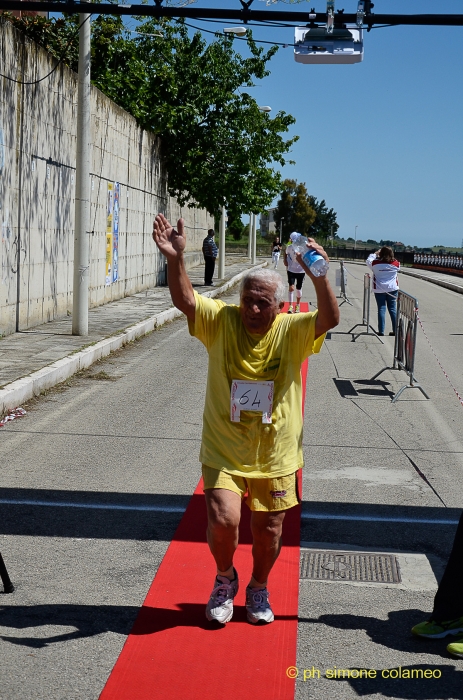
pixel 21 390
pixel 458 288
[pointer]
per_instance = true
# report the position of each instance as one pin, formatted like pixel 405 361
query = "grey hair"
pixel 262 275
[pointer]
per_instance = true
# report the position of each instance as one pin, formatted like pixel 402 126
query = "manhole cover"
pixel 363 567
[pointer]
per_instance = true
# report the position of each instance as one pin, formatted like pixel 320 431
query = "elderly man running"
pixel 252 424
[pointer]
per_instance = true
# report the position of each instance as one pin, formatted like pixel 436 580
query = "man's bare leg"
pixel 266 532
pixel 223 515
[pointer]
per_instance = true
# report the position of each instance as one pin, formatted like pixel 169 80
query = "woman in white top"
pixel 276 250
pixel 385 285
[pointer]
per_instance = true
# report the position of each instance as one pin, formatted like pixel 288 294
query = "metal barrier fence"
pixel 342 283
pixel 341 253
pixel 405 342
pixel 365 311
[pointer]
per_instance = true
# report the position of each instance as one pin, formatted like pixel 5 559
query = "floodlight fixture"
pixel 238 31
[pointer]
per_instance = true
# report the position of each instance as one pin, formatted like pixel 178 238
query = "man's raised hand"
pixel 171 242
pixel 312 244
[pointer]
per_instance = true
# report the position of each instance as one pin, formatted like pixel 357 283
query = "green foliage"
pixel 218 147
pixel 235 226
pixel 294 209
pixel 302 212
pixel 325 224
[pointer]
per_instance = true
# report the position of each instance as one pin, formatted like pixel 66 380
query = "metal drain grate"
pixel 322 565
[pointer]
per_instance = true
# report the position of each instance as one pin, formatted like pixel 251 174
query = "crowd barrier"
pixel 7 585
pixel 448 261
pixel 365 312
pixel 341 281
pixel 405 342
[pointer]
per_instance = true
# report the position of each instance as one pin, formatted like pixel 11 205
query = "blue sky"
pixel 380 141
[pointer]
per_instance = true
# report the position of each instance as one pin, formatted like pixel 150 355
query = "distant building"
pixel 26 13
pixel 267 224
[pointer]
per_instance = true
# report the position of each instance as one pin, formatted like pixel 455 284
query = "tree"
pixel 294 209
pixel 302 212
pixel 218 147
pixel 235 226
pixel 324 224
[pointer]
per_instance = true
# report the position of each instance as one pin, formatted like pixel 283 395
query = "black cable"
pixel 240 38
pixel 35 82
pixel 261 23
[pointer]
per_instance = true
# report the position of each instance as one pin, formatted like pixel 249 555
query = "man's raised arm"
pixel 328 309
pixel 172 243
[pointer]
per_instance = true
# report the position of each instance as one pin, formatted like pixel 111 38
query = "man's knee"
pixel 291 287
pixel 267 527
pixel 223 510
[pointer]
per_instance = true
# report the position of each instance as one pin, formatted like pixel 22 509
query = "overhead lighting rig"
pixel 243 13
pixel 336 42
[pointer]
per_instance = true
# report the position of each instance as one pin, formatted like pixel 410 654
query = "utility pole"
pixel 221 270
pixel 250 236
pixel 82 199
pixel 254 237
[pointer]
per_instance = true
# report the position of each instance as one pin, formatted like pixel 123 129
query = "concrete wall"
pixel 37 186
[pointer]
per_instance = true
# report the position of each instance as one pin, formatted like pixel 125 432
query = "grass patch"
pixel 101 376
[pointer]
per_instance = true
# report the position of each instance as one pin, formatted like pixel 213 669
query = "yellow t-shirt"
pixel 250 448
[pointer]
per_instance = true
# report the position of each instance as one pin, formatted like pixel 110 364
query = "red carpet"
pixel 172 651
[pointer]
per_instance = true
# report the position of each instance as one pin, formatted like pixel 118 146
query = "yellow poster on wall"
pixel 109 233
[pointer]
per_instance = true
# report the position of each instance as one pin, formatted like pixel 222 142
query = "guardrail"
pixel 405 342
pixel 341 253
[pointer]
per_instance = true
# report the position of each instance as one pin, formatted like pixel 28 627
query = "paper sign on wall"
pixel 116 204
pixel 112 232
pixel 109 232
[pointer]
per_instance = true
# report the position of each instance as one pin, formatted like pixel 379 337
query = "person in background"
pixel 447 615
pixel 385 285
pixel 296 274
pixel 210 252
pixel 276 250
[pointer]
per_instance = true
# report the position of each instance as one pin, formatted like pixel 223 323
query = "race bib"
pixel 251 396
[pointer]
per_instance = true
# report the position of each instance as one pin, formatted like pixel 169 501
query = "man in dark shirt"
pixel 210 252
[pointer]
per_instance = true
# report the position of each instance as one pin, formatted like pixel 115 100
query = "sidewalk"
pixel 41 357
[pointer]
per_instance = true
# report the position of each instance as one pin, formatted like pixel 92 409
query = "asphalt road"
pixel 127 432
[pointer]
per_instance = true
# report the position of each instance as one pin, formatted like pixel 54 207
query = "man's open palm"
pixel 171 242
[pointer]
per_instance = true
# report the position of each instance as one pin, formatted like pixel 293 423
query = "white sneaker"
pixel 291 309
pixel 220 605
pixel 257 606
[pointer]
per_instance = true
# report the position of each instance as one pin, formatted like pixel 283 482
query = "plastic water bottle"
pixel 316 263
pixel 299 244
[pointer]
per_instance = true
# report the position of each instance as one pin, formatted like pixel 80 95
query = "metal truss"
pixel 245 14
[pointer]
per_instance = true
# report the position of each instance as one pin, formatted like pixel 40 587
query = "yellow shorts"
pixel 262 494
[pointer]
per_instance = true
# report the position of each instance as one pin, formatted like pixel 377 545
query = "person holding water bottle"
pixel 300 257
